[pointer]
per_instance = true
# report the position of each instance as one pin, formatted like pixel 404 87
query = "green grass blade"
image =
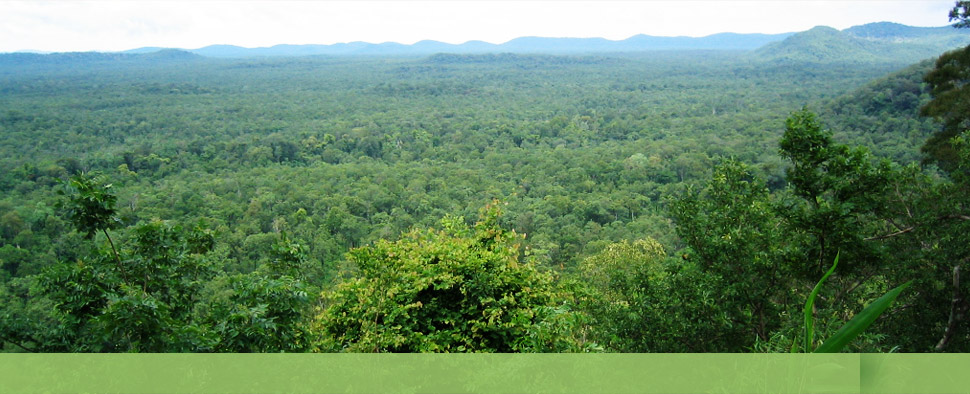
pixel 860 322
pixel 809 322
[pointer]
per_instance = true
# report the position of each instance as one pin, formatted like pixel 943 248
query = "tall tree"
pixel 960 13
pixel 90 206
pixel 839 188
pixel 950 104
pixel 735 235
pixel 951 96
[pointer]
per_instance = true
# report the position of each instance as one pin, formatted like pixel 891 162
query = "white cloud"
pixel 119 25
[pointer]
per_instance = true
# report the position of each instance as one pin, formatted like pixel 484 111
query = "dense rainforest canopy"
pixel 638 202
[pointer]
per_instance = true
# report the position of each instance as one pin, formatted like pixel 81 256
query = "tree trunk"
pixel 958 309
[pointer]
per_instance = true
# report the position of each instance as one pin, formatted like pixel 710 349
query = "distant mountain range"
pixel 870 42
pixel 545 45
pixel 932 39
pixel 881 41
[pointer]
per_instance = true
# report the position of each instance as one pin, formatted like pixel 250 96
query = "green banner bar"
pixel 426 373
pixel 915 373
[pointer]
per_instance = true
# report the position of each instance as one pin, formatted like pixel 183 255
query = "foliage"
pixel 460 289
pixel 625 277
pixel 884 115
pixel 950 103
pixel 840 189
pixel 90 205
pixel 853 328
pixel 809 339
pixel 640 301
pixel 291 168
pixel 860 322
pixel 960 13
pixel 102 312
pixel 387 145
pixel 267 310
pixel 735 236
pixel 147 298
pixel 263 314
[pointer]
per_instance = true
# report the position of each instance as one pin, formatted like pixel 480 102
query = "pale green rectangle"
pixel 915 373
pixel 426 373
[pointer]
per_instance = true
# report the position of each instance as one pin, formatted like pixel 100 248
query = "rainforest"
pixel 599 201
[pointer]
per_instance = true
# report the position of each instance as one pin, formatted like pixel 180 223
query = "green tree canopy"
pixel 735 235
pixel 950 104
pixel 460 289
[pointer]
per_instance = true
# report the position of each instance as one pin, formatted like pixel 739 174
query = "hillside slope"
pixel 879 42
pixel 884 114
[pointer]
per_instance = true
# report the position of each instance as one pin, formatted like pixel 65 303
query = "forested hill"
pixel 884 115
pixel 865 44
pixel 895 32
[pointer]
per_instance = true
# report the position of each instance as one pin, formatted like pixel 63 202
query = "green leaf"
pixel 809 322
pixel 860 322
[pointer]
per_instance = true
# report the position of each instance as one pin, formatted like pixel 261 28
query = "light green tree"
pixel 459 289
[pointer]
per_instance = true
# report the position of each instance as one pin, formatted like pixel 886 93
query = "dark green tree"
pixel 153 311
pixel 960 13
pixel 929 238
pixel 736 236
pixel 90 206
pixel 268 310
pixel 950 105
pixel 951 96
pixel 839 190
pixel 159 292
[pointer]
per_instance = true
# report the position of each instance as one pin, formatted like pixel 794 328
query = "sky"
pixel 77 25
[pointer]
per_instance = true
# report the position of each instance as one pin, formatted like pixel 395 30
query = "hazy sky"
pixel 119 25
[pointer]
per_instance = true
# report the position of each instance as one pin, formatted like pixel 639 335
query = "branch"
pixel 956 216
pixel 911 228
pixel 841 293
pixel 5 339
pixel 958 309
pixel 121 266
pixel 893 222
pixel 902 201
pixel 900 232
pixel 904 307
